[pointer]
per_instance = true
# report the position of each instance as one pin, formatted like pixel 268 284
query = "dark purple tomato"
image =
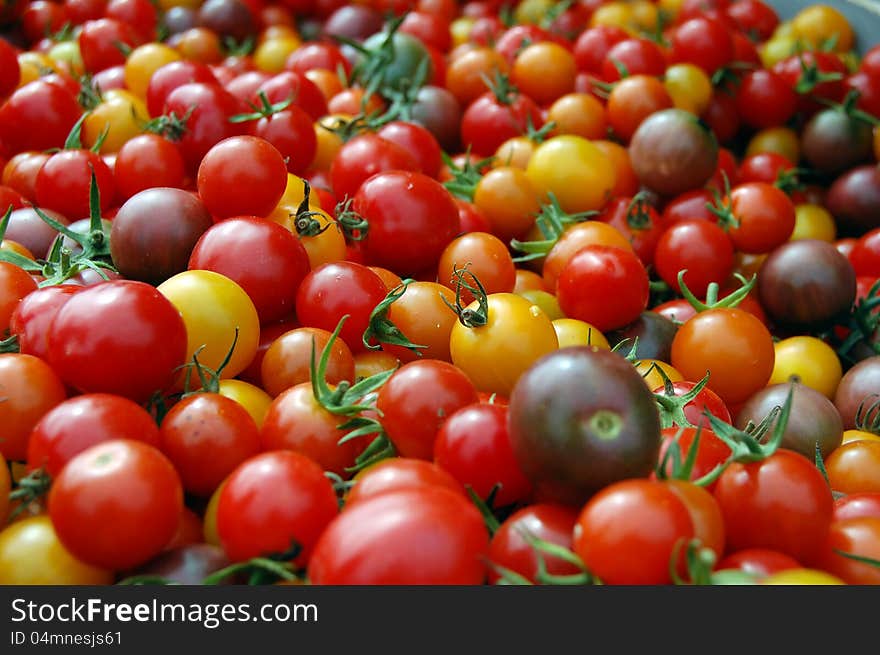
pixel 580 419
pixel 854 200
pixel 227 18
pixel 654 333
pixel 813 421
pixel 672 152
pixel 859 386
pixel 806 283
pixel 833 141
pixel 28 229
pixel 154 233
pixel 439 111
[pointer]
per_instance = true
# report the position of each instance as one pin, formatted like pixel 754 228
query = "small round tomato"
pixel 509 200
pixel 213 307
pixel 396 473
pixel 700 248
pixel 760 562
pixel 809 360
pixel 855 467
pixel 416 401
pixel 32 554
pixel 574 170
pixel 859 537
pixel 473 445
pixel 627 533
pixel 129 482
pixel 287 360
pixel 437 537
pixel 732 345
pixel 604 286
pixel 205 436
pixel 424 317
pixel 272 503
pixel 495 354
pixel 544 71
pixel 83 421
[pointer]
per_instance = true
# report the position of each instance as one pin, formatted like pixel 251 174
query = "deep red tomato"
pixel 64 182
pixel 639 222
pixel 865 255
pixel 38 116
pixel 700 247
pixel 627 533
pixel 593 44
pixel 396 473
pixel 15 285
pixel 83 421
pixel 782 503
pixel 289 85
pixel 495 117
pixel 99 43
pixel 764 167
pixel 10 73
pixel 117 504
pixel 205 436
pixel 511 549
pixel 292 132
pixel 474 446
pixel 689 205
pixel 633 56
pixel 764 216
pixel 859 537
pixel 172 75
pixel 416 401
pixel 704 42
pixel 334 290
pixel 764 99
pixel 436 537
pixel 411 217
pixel 32 317
pixel 146 161
pixel 364 156
pixel 419 141
pixel 273 502
pixel 120 337
pixel 270 280
pixel 604 286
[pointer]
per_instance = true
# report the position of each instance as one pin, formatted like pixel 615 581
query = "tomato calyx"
pixel 712 301
pixel 169 126
pixel 637 215
pixel 467 316
pixel 242 48
pixel 383 330
pixel 671 466
pixel 10 344
pixel 812 76
pixel 863 324
pixel 542 549
pixel 789 181
pixel 209 379
pixel 465 178
pixel 745 445
pixel 30 488
pixel 89 95
pixel 264 110
pixel 552 221
pixel 849 108
pixel 262 570
pixel 354 226
pixel 61 263
pixel 349 401
pixel 74 138
pixel 700 562
pixel 671 406
pixel 867 418
pixel 502 88
pixel 729 77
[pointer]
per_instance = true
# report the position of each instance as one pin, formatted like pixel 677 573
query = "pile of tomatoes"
pixel 428 292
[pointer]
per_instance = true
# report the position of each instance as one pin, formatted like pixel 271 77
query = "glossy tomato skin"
pixel 416 401
pixel 30 388
pixel 857 536
pixel 396 473
pixel 364 156
pixel 271 279
pixel 117 504
pixel 510 549
pixel 119 337
pixel 334 290
pixel 782 503
pixel 205 436
pixel 37 116
pixel 487 123
pixel 473 444
pixel 413 536
pixel 626 533
pixel 83 421
pixel 32 317
pixel 272 500
pixel 857 505
pixel 580 419
pixel 604 286
pixel 412 218
pixel 154 232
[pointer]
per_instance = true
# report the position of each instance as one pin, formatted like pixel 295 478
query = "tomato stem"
pixel 383 330
pixel 712 302
pixel 467 316
pixel 32 487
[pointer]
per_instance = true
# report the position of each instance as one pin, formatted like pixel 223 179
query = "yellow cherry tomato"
pixel 572 332
pixel 213 307
pixel 776 49
pixel 573 169
pixel 813 222
pixel 143 62
pixel 323 244
pixel 822 25
pixel 32 554
pixel 689 87
pixel 546 301
pixel 812 361
pixel 252 398
pixel 802 577
pixel 531 11
pixel 495 355
pixel 858 435
pixel 781 140
pixel 32 64
pixel 121 114
pixel 373 362
pixel 644 16
pixel 514 152
pixel 460 29
pixel 614 14
pixel 294 193
pixel 329 142
pixel 271 54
